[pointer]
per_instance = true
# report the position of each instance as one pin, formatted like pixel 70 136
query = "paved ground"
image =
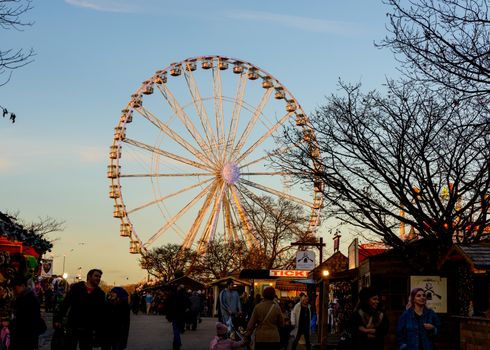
pixel 155 333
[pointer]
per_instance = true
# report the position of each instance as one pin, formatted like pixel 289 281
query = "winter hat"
pixel 221 329
pixel 120 292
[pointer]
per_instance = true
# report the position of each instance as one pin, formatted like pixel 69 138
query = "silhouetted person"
pixel 177 305
pixel 26 324
pixel 117 323
pixel 84 306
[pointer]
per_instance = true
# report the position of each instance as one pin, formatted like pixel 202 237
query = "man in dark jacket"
pixel 27 323
pixel 84 308
pixel 177 305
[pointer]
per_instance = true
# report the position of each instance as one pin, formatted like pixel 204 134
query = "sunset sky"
pixel 91 55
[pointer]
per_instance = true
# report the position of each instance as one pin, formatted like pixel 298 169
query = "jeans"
pixel 177 342
pixel 306 333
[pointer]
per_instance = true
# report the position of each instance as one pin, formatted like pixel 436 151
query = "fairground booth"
pixel 20 254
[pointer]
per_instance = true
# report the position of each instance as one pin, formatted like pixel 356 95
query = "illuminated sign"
pixel 288 273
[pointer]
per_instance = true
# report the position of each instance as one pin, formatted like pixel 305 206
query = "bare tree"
pixel 11 59
pixel 442 42
pixel 276 224
pixel 409 159
pixel 166 261
pixel 220 259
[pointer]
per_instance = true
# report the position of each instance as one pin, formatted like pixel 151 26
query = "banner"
pixel 47 268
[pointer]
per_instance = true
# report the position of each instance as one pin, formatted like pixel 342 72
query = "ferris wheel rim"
pixel 117 143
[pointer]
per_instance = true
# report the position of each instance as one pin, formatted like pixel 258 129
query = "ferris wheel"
pixel 193 146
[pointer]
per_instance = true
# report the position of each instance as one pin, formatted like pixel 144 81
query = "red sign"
pixel 289 273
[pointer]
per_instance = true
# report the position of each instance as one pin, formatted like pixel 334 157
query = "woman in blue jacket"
pixel 418 325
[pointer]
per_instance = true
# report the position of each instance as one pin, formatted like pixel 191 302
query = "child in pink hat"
pixel 221 340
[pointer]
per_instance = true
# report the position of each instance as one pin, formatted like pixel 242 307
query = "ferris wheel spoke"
pixel 191 234
pixel 264 137
pixel 227 220
pixel 166 154
pixel 212 221
pixel 218 109
pixel 235 219
pixel 199 106
pixel 235 117
pixel 267 156
pixel 251 123
pixel 184 118
pixel 276 192
pixel 230 233
pixel 254 198
pixel 266 173
pixel 177 216
pixel 172 134
pixel 168 175
pixel 247 226
pixel 170 195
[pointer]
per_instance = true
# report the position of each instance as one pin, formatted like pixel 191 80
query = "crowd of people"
pixel 263 321
pixel 274 324
pixel 85 317
pixel 416 328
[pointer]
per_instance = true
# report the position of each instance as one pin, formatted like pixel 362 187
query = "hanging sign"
pixel 47 268
pixel 305 260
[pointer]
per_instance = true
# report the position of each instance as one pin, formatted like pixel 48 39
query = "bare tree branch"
pixel 409 159
pixel 442 42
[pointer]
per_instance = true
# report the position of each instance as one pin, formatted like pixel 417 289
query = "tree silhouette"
pixel 410 159
pixel 11 59
pixel 442 42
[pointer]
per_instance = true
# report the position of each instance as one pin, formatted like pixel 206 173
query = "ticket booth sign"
pixel 289 273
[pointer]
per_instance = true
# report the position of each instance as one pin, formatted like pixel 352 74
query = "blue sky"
pixel 92 55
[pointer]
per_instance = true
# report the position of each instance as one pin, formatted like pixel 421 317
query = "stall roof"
pixel 256 274
pixel 477 255
pixel 188 282
pixel 222 281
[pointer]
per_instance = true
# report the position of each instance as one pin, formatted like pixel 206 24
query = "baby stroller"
pixel 236 329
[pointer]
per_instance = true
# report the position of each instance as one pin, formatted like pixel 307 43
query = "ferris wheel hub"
pixel 230 173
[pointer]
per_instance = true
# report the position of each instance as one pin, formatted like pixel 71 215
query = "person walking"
pixel 369 323
pixel 301 321
pixel 84 308
pixel 418 325
pixel 177 305
pixel 27 324
pixel 135 302
pixel 148 301
pixel 118 320
pixel 266 321
pixel 229 300
pixel 195 309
